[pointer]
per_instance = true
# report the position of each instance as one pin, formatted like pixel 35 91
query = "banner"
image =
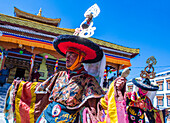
pixel 32 61
pixel 56 66
pixel 1 55
pixel 105 74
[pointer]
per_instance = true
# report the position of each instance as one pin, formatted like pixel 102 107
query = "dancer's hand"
pixel 120 82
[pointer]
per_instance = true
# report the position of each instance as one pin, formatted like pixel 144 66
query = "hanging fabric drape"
pixel 105 74
pixel 1 54
pixel 56 66
pixel 32 61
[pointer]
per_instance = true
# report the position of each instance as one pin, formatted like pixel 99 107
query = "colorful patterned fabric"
pixel 8 104
pixel 56 66
pixel 134 100
pixel 27 106
pixel 32 61
pixel 72 90
pixel 144 103
pixel 105 74
pixel 115 110
pixel 135 115
pixel 89 117
pixel 58 113
pixel 118 60
pixel 1 54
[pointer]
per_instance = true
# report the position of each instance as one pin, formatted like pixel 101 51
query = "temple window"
pixel 168 84
pixel 160 100
pixel 160 83
pixel 168 118
pixel 160 87
pixel 168 100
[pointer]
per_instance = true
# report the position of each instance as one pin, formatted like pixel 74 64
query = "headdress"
pixel 148 73
pixel 93 53
pixel 93 56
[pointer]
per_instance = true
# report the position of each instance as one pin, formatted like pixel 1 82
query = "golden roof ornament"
pixel 40 11
pixel 149 70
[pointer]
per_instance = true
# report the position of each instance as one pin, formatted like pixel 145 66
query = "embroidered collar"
pixel 80 70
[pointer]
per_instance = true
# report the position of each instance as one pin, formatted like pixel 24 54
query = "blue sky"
pixel 143 24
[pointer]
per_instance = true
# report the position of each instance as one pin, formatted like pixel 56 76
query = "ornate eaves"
pixel 57 30
pixel 26 15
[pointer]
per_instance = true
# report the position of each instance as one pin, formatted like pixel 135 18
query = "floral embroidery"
pixel 75 91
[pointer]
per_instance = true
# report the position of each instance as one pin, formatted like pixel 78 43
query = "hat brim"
pixel 144 86
pixel 93 53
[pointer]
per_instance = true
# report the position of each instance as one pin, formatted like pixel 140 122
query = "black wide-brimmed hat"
pixel 145 85
pixel 93 53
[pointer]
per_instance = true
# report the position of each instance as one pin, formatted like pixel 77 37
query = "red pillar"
pixel 3 60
